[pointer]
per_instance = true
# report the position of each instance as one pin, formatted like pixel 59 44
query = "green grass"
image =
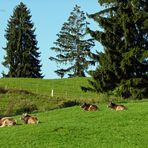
pixel 69 127
pixel 22 92
pixel 73 128
pixel 39 93
pixel 67 88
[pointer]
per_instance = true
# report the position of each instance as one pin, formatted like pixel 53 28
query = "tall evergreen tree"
pixel 22 56
pixel 72 46
pixel 123 66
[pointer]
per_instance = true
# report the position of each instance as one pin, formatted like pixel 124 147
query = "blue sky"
pixel 48 17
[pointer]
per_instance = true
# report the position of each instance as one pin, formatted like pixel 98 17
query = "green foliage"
pixel 123 66
pixel 9 111
pixel 134 88
pixel 69 103
pixel 3 90
pixel 22 56
pixel 73 46
pixel 25 106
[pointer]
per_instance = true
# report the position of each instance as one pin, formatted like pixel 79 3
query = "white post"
pixel 52 93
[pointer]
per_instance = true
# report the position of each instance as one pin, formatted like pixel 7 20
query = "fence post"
pixel 52 93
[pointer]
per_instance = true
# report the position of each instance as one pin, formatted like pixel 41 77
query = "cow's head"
pixel 24 115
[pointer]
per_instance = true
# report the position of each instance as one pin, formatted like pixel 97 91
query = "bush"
pixel 3 90
pixel 26 106
pixel 133 88
pixel 68 103
pixel 10 108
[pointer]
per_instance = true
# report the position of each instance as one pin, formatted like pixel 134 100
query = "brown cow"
pixel 116 107
pixel 29 119
pixel 7 121
pixel 89 107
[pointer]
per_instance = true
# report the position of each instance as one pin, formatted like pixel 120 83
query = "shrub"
pixel 3 90
pixel 68 103
pixel 26 106
pixel 132 88
pixel 10 108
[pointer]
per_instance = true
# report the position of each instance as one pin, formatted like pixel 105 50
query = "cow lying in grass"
pixel 27 119
pixel 89 107
pixel 116 107
pixel 7 121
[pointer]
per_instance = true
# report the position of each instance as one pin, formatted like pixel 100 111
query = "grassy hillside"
pixel 73 127
pixel 19 95
pixel 22 94
pixel 66 88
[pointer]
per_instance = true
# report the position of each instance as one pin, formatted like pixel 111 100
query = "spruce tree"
pixel 22 55
pixel 73 46
pixel 123 66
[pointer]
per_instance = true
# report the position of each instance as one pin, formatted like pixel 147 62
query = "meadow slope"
pixel 17 93
pixel 72 128
pixel 66 87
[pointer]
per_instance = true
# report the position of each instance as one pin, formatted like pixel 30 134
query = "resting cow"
pixel 27 119
pixel 116 107
pixel 7 121
pixel 89 107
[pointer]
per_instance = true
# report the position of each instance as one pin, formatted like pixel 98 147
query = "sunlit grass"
pixel 63 88
pixel 73 127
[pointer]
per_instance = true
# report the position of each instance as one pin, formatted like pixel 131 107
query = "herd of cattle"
pixel 27 119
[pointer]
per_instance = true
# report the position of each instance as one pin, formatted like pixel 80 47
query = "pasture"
pixel 18 93
pixel 72 127
pixel 69 127
pixel 65 88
